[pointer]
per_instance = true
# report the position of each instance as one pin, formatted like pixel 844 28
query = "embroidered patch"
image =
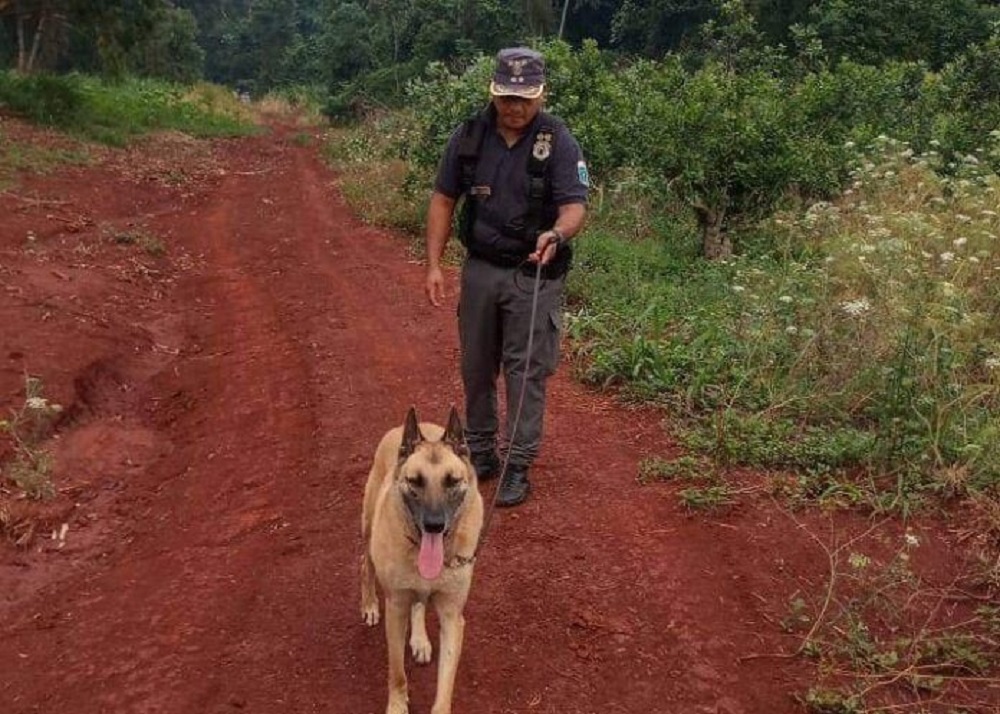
pixel 543 146
pixel 581 171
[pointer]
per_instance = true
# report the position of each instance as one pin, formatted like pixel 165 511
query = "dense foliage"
pixel 364 51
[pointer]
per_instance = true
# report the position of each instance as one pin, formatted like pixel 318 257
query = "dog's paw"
pixel 370 615
pixel 397 707
pixel 421 649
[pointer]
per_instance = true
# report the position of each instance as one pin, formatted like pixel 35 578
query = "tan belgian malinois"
pixel 421 522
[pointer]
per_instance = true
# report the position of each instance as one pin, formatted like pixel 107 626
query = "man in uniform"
pixel 524 183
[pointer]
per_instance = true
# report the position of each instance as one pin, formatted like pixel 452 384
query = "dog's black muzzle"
pixel 426 519
pixel 433 521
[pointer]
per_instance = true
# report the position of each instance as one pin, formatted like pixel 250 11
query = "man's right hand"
pixel 435 286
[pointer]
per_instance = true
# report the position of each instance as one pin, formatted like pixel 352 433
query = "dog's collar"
pixel 461 561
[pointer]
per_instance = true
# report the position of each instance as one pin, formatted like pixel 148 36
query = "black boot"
pixel 514 487
pixel 486 464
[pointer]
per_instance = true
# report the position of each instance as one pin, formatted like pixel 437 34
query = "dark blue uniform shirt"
pixel 501 184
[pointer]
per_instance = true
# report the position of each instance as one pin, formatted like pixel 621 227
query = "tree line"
pixel 367 50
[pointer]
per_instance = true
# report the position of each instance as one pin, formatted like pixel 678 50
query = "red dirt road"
pixel 223 400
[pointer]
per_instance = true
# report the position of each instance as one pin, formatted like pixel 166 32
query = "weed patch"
pixel 149 243
pixel 378 184
pixel 886 640
pixel 27 427
pixel 18 156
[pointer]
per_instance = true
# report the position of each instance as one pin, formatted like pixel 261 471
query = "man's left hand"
pixel 545 248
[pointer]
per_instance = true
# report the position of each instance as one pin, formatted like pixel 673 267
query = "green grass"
pixel 16 158
pixel 114 113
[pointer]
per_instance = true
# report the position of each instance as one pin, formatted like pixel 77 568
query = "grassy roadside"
pixel 115 112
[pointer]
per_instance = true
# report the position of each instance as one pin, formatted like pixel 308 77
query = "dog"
pixel 420 525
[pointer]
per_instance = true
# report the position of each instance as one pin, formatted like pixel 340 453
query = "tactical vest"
pixel 518 237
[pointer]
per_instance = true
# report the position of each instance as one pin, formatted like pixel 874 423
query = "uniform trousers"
pixel 494 319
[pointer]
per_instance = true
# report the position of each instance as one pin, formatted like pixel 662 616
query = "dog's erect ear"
pixel 411 434
pixel 454 433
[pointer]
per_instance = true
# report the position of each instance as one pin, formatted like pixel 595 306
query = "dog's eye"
pixel 416 481
pixel 450 481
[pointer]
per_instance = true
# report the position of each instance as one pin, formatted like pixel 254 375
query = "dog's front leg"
pixel 397 614
pixel 369 595
pixel 420 643
pixel 449 609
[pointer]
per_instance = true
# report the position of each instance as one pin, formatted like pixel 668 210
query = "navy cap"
pixel 520 72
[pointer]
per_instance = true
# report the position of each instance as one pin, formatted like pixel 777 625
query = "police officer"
pixel 525 196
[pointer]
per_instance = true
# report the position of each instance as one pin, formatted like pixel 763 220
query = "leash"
pixel 484 531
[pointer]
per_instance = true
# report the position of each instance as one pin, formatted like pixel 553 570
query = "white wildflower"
pixel 738 288
pixel 991 362
pixel 912 540
pixel 856 308
pixel 791 330
pixel 962 218
pixel 785 299
pixel 37 403
pixel 959 242
pixel 947 257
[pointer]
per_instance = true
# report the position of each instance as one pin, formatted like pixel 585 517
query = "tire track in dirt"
pixel 302 335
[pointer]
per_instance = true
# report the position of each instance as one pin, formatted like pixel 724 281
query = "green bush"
pixel 45 99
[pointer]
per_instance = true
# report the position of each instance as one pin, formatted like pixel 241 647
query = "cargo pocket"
pixel 553 336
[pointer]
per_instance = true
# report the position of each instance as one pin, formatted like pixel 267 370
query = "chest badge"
pixel 543 145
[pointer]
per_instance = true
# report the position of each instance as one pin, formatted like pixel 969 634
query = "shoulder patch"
pixel 582 173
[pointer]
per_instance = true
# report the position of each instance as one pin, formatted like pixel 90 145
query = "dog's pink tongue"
pixel 431 558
